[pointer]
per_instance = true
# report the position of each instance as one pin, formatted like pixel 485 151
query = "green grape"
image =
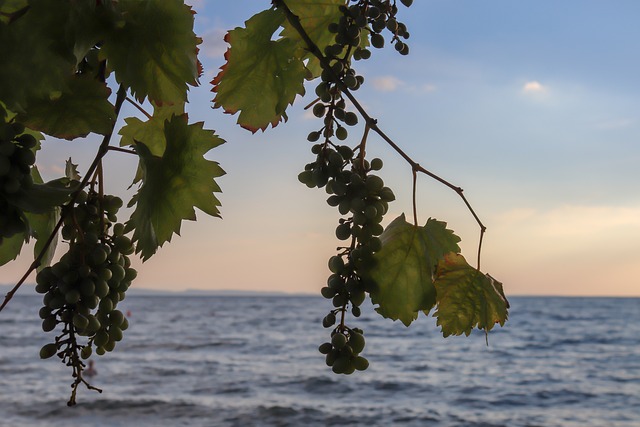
pixel 325 348
pixel 356 342
pixel 341 365
pixel 116 317
pixel 357 298
pixel 331 357
pixel 79 321
pixel 313 137
pixel 329 320
pixel 48 350
pixel 360 363
pixel 336 264
pixel 44 312
pixel 109 346
pixel 49 324
pixel 327 292
pixel 351 118
pixel 101 338
pixel 377 40
pixel 86 352
pixel 115 333
pixel 343 231
pixel 72 297
pixel 339 341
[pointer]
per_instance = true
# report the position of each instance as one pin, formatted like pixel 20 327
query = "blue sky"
pixel 532 107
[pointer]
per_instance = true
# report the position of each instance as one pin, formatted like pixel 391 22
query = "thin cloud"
pixel 428 88
pixel 387 83
pixel 533 86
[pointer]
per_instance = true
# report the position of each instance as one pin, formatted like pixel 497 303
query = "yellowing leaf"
pixel 467 298
pixel 173 184
pixel 154 50
pixel 405 266
pixel 262 76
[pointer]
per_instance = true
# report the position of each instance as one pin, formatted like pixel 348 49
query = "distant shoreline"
pixel 27 290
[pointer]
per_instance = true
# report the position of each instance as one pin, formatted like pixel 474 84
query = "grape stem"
pixel 102 150
pixel 139 107
pixel 294 20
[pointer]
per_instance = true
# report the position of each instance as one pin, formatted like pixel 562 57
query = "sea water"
pixel 253 361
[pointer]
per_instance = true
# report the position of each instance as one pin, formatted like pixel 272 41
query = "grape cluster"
pixel 358 194
pixel 367 18
pixel 16 159
pixel 362 198
pixel 343 352
pixel 82 290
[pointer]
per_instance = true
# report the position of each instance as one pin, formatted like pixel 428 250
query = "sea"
pixel 253 361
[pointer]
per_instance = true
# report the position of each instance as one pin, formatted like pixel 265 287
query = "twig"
pixel 139 107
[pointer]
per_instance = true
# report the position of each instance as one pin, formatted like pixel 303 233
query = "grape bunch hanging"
pixel 348 177
pixel 82 290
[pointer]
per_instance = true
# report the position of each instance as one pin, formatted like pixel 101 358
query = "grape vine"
pixel 95 43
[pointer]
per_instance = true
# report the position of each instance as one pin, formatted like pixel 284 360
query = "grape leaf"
pixel 82 107
pixel 36 58
pixel 467 298
pixel 405 266
pixel 262 76
pixel 173 184
pixel 11 247
pixel 315 16
pixel 41 198
pixel 71 170
pixel 154 50
pixel 151 132
pixel 42 225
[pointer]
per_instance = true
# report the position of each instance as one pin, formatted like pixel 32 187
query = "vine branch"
pixel 294 20
pixel 102 150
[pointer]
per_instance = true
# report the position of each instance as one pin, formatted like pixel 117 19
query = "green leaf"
pixel 41 198
pixel 11 247
pixel 151 132
pixel 37 60
pixel 262 76
pixel 154 50
pixel 173 184
pixel 467 298
pixel 405 266
pixel 82 108
pixel 42 225
pixel 71 170
pixel 315 16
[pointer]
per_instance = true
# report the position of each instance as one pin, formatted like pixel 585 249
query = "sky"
pixel 533 107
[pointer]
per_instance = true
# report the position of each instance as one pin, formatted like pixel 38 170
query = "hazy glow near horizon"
pixel 523 104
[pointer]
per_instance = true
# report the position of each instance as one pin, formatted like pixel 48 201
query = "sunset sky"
pixel 533 107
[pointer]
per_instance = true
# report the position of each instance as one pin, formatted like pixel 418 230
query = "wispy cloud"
pixel 534 86
pixel 428 87
pixel 387 83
